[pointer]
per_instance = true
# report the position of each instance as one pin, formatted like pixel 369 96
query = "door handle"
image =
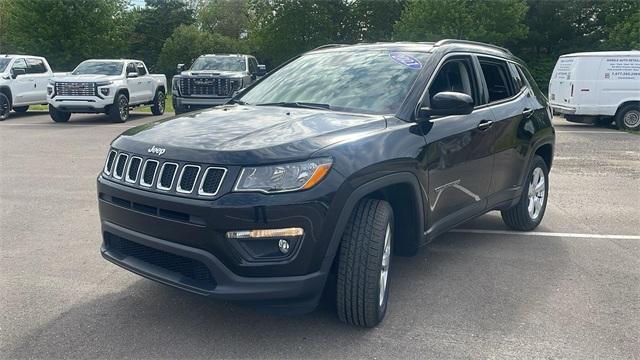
pixel 527 113
pixel 485 125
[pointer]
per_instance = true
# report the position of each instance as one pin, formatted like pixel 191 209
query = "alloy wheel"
pixel 537 193
pixel 384 269
pixel 123 108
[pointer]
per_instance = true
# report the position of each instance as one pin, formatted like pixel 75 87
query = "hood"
pixel 85 78
pixel 248 135
pixel 216 73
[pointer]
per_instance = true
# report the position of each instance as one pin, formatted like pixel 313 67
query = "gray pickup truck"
pixel 213 79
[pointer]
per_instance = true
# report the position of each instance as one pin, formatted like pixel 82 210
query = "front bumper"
pixel 88 104
pixel 199 101
pixel 196 255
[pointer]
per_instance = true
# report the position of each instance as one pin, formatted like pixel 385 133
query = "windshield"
pixel 3 63
pixel 372 81
pixel 99 68
pixel 219 63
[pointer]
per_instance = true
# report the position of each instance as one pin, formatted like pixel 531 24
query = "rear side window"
pixel 518 78
pixel 455 75
pixel 498 78
pixel 36 66
pixel 131 68
pixel 141 70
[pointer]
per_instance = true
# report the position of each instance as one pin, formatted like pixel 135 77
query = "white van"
pixel 598 87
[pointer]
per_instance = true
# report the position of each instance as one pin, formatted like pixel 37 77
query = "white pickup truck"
pixel 23 82
pixel 106 86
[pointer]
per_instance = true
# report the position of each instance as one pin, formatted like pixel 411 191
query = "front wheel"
pixel 58 116
pixel 528 212
pixel 158 103
pixel 5 107
pixel 363 264
pixel 119 111
pixel 628 118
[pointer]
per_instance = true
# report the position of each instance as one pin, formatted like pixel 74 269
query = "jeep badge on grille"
pixel 156 150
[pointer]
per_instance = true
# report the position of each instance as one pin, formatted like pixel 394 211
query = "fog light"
pixel 104 91
pixel 283 245
pixel 266 233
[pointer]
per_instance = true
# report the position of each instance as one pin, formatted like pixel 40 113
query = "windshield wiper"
pixel 298 104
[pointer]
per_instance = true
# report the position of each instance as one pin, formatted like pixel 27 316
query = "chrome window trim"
pixel 108 171
pixel 126 176
pixel 158 185
pixel 124 168
pixel 179 188
pixel 144 168
pixel 204 176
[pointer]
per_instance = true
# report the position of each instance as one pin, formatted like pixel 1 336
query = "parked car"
pixel 23 82
pixel 106 86
pixel 324 168
pixel 212 80
pixel 598 87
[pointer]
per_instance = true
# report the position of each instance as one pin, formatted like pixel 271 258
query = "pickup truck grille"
pixel 158 175
pixel 205 86
pixel 75 88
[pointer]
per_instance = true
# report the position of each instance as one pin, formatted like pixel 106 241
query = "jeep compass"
pixel 317 174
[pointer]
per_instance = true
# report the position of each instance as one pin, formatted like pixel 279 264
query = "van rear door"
pixel 561 84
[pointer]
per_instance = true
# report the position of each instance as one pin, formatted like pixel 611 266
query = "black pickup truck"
pixel 316 174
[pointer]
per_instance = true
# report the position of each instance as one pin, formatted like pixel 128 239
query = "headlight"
pixel 283 177
pixel 236 84
pixel 104 83
pixel 176 85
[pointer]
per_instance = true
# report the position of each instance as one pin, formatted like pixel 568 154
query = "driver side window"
pixel 456 75
pixel 131 68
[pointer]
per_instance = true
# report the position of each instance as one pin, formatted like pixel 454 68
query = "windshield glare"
pixel 219 63
pixel 99 68
pixel 3 63
pixel 365 81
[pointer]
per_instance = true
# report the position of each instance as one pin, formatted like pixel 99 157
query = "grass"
pixel 145 109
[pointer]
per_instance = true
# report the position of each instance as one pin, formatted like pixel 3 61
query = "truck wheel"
pixel 363 264
pixel 58 116
pixel 5 107
pixel 528 212
pixel 21 109
pixel 158 103
pixel 628 118
pixel 119 111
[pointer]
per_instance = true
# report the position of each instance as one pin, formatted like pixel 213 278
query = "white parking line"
pixel 550 234
pixel 590 132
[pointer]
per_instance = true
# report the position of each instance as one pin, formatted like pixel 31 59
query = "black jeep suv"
pixel 317 173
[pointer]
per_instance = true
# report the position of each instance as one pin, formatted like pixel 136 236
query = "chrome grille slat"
pixel 187 179
pixel 167 174
pixel 134 167
pixel 211 181
pixel 149 172
pixel 205 86
pixel 108 166
pixel 75 88
pixel 118 172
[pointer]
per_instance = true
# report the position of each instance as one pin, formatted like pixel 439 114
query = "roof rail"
pixel 327 46
pixel 469 42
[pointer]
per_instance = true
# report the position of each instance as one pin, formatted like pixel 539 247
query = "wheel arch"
pixel 545 151
pixel 124 91
pixel 625 103
pixel 161 88
pixel 397 189
pixel 7 91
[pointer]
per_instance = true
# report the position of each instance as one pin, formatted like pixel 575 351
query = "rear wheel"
pixel 528 212
pixel 158 103
pixel 5 107
pixel 119 111
pixel 628 117
pixel 58 116
pixel 21 109
pixel 363 264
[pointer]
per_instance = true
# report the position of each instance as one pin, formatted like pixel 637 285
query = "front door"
pixel 134 84
pixel 22 86
pixel 459 158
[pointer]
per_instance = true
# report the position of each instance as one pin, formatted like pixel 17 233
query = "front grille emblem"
pixel 156 150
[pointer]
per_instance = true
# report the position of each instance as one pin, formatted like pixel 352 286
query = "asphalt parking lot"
pixel 569 290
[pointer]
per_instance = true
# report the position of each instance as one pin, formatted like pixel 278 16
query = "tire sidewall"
pixel 116 115
pixel 160 99
pixel 4 99
pixel 538 162
pixel 382 309
pixel 621 115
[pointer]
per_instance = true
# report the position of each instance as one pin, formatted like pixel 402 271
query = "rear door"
pixel 561 83
pixel 459 157
pixel 510 102
pixel 39 72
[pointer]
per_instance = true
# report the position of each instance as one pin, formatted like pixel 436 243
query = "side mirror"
pixel 180 67
pixel 262 70
pixel 132 75
pixel 448 103
pixel 16 72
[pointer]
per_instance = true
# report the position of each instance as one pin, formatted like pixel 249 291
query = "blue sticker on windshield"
pixel 406 60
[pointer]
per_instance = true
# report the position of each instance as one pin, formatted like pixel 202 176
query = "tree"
pixel 154 24
pixel 372 20
pixel 625 35
pixel 5 46
pixel 187 43
pixel 67 31
pixel 493 21
pixel 227 17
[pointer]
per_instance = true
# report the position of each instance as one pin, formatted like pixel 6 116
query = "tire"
pixel 5 107
pixel 527 214
pixel 363 264
pixel 158 103
pixel 178 109
pixel 119 111
pixel 628 117
pixel 58 116
pixel 21 109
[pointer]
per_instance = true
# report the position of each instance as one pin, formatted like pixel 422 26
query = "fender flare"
pixel 7 90
pixel 360 193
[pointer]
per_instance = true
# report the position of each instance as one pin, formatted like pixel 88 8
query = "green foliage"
pixel 187 43
pixel 372 20
pixel 66 31
pixel 226 17
pixel 153 24
pixel 493 21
